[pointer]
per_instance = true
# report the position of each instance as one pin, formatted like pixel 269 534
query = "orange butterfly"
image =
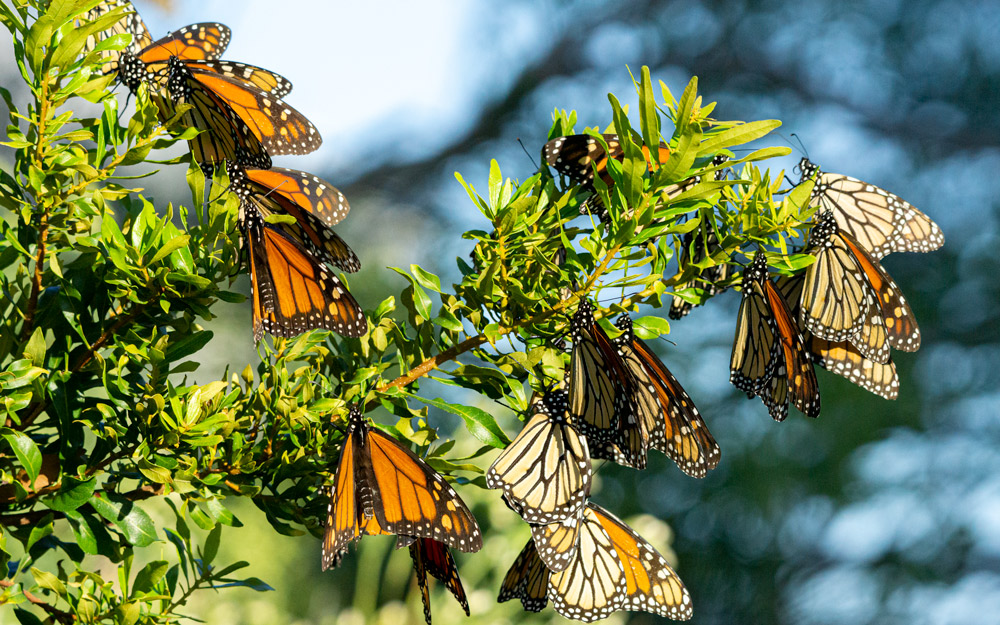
pixel 769 356
pixel 431 556
pixel 665 411
pixel 613 568
pixel 381 487
pixel 184 68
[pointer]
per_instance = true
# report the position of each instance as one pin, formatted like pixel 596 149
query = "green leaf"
pixel 148 577
pixel 82 532
pixel 28 455
pixel 212 545
pixel 133 522
pixel 480 423
pixel 649 118
pixel 72 494
pixel 426 278
pixel 651 327
pixel 685 107
pixel 737 135
pixel 168 247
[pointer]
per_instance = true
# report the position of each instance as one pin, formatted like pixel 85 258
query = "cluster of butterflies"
pixel 242 121
pixel 621 401
pixel 843 313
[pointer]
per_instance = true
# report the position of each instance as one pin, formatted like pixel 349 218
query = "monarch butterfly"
pixel 128 23
pixel 841 358
pixel 290 192
pixel 183 67
pixel 665 410
pixel 613 569
pixel 769 357
pixel 710 276
pixel 291 290
pixel 545 472
pixel 578 156
pixel 431 556
pixel 224 135
pixel 601 394
pixel 381 487
pixel 880 221
pixel 847 295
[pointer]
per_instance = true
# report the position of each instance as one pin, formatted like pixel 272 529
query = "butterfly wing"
pixel 292 291
pixel 650 584
pixel 556 542
pixel 880 221
pixel 800 383
pixel 545 472
pixel 280 128
pixel 593 585
pixel 527 580
pixel 128 24
pixel 307 191
pixel 263 79
pixel 416 500
pixel 592 380
pixel 836 294
pixel 677 429
pixel 431 556
pixel 902 331
pixel 842 358
pixel 756 354
pixel 353 501
pixel 224 135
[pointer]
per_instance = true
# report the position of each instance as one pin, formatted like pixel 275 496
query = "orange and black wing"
pixel 800 386
pixel 593 584
pixel 307 191
pixel 837 299
pixel 592 381
pixel 545 472
pixel 756 357
pixel 650 584
pixel 527 580
pixel 415 499
pixel 351 512
pixel 902 331
pixel 196 42
pixel 280 128
pixel 307 229
pixel 431 556
pixel 291 290
pixel 674 424
pixel 224 135
pixel 556 543
pixel 265 80
pixel 602 397
pixel 841 357
pixel 880 221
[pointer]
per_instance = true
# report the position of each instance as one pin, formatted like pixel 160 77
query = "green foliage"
pixel 103 293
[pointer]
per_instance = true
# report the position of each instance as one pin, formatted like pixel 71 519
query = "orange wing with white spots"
pixel 381 487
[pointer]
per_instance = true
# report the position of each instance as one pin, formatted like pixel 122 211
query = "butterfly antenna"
pixel 528 154
pixel 802 146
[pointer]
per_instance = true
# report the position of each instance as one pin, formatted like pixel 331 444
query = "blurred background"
pixel 877 512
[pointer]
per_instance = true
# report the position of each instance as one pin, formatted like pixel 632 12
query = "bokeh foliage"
pixel 104 294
